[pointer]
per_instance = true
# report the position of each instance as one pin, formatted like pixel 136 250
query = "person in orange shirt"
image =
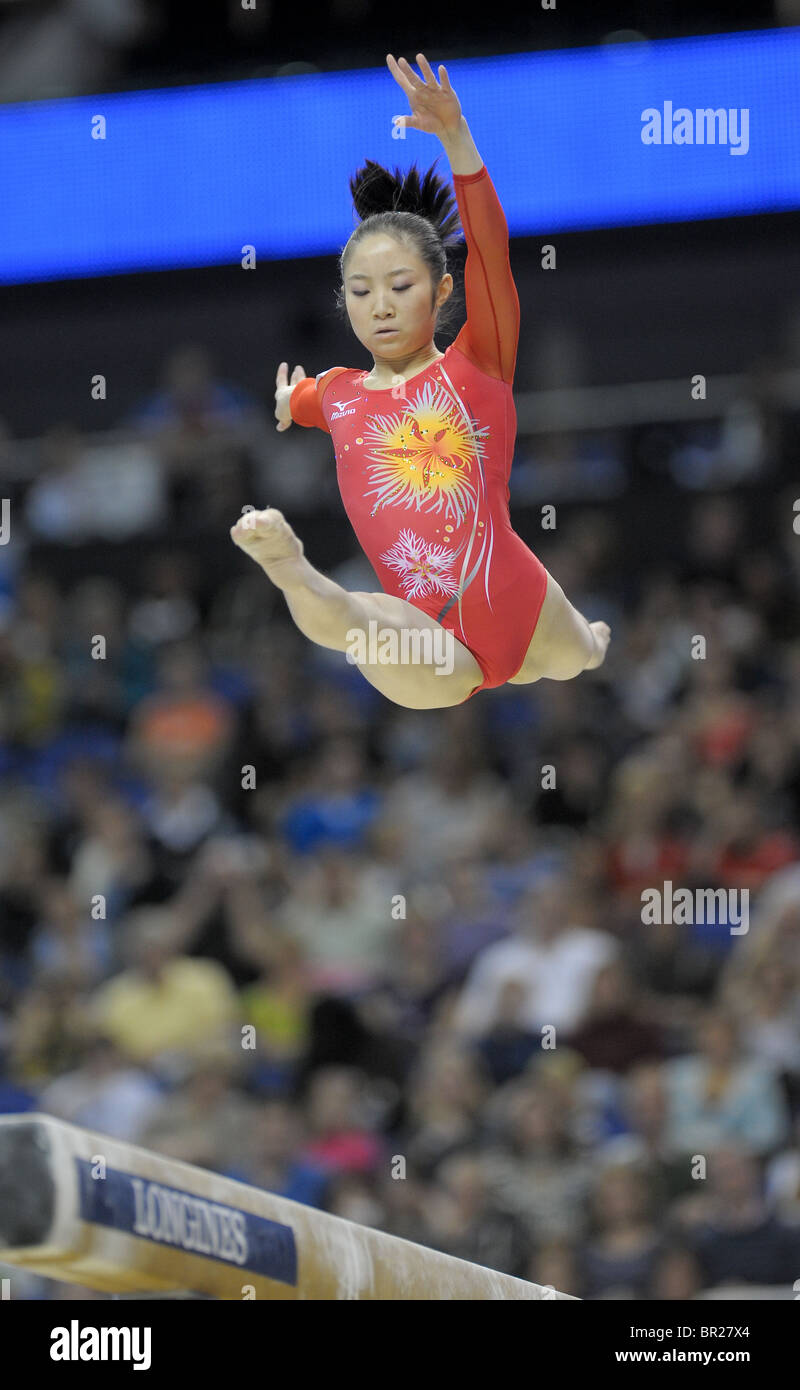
pixel 183 726
pixel 424 445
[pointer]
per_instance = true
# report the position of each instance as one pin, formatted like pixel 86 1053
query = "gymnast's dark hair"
pixel 419 209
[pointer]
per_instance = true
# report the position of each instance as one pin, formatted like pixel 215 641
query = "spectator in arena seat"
pixel 112 859
pixel 23 869
pixel 554 1266
pixel 94 608
pixel 164 1005
pixel 615 1034
pixel 206 432
pixel 446 1093
pixel 514 859
pixel 447 810
pixel 642 846
pixel 748 850
pixel 774 936
pixel 465 1221
pixel 644 1139
pixel 536 1169
pixel 340 1139
pixel 404 1203
pixel 105 1092
pixel 508 1045
pixel 85 490
pixel 783 1179
pixel 181 812
pixel 339 804
pixel 69 937
pixel 406 994
pixel 676 1276
pixel 184 723
pixel 720 1094
pixel 277 1005
pixel 191 404
pixel 771 1021
pixel 48 1028
pixel 619 1260
pixel 473 919
pixel 354 1197
pixel 274 1157
pixel 577 798
pixel 206 1119
pixel 339 912
pixel 164 608
pixel 33 683
pixel 735 1236
pixel 555 960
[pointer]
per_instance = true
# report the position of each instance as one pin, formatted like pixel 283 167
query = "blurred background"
pixel 208 823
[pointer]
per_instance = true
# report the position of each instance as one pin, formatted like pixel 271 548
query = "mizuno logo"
pixel 340 405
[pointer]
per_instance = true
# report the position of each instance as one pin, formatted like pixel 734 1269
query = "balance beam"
pixel 91 1210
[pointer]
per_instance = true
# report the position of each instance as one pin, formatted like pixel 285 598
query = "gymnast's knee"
pixel 565 663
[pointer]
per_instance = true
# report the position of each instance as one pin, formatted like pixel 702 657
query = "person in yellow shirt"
pixel 165 1002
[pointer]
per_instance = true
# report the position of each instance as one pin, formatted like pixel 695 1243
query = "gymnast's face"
pixel 388 286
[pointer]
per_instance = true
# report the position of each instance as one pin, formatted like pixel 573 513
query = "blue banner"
pixel 623 133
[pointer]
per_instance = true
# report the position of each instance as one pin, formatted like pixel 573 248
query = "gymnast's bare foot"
pixel 602 637
pixel 269 540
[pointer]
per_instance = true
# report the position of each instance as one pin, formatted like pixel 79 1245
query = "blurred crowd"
pixel 393 963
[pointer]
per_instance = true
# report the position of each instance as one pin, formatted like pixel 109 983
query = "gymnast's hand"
pixel 283 390
pixel 434 108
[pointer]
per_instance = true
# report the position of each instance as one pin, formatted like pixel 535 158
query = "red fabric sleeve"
pixel 305 405
pixel 490 335
pixel 305 402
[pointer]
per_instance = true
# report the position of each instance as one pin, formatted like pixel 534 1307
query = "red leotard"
pixel 423 466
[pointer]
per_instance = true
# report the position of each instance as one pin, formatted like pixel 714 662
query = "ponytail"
pixel 420 209
pixel 375 191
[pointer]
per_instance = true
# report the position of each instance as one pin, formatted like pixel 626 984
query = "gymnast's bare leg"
pixel 330 615
pixel 564 643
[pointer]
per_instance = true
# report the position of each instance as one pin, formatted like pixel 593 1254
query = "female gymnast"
pixel 424 443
